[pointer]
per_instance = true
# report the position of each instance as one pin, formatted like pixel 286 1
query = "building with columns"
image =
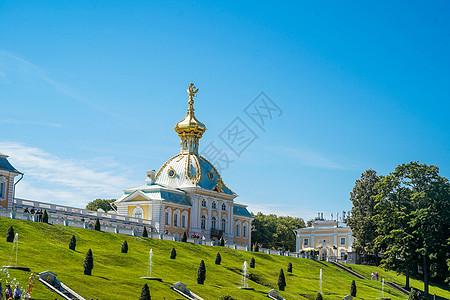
pixel 7 182
pixel 332 239
pixel 187 193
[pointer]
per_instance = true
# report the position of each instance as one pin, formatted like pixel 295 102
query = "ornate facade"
pixel 187 194
pixel 7 175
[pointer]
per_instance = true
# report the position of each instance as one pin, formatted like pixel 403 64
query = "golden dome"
pixel 190 125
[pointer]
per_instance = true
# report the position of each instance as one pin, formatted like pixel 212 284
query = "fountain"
pixel 15 249
pixel 150 267
pixel 320 281
pixel 244 278
pixel 382 291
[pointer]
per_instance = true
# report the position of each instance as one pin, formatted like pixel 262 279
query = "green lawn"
pixel 116 276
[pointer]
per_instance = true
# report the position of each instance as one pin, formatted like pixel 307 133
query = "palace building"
pixel 187 194
pixel 7 184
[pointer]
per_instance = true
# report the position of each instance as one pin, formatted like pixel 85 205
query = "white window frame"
pixel 137 210
pixel 213 205
pixel 223 225
pixel 169 219
pixel 3 184
pixel 203 222
pixel 224 207
pixel 244 229
pixel 343 238
pixel 305 241
pixel 203 203
pixel 238 228
pixel 213 223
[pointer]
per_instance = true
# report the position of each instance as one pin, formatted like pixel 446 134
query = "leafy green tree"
pixel 45 217
pixel 124 247
pixel 218 259
pixel 319 296
pixel 173 254
pixel 145 233
pixel 184 237
pixel 72 243
pixel 281 281
pixel 289 267
pixel 353 289
pixel 201 273
pixel 97 225
pixel 273 231
pixel 252 263
pixel 145 293
pixel 88 263
pixel 221 242
pixel 105 204
pixel 361 219
pixel 10 235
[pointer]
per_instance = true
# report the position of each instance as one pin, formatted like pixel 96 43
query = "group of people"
pixel 9 293
pixel 39 213
pixel 374 275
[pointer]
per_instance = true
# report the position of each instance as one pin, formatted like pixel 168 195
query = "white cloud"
pixel 22 122
pixel 54 179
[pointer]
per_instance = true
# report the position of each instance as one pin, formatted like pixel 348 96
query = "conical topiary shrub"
pixel 124 247
pixel 88 263
pixel 72 243
pixel 201 273
pixel 353 289
pixel 222 242
pixel 281 281
pixel 252 263
pixel 97 225
pixel 184 237
pixel 256 247
pixel 173 254
pixel 218 259
pixel 145 233
pixel 319 296
pixel 45 217
pixel 145 293
pixel 289 267
pixel 10 235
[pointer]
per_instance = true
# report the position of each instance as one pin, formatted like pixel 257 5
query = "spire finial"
pixel 192 92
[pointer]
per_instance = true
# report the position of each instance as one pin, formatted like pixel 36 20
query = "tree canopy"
pixel 104 204
pixel 273 231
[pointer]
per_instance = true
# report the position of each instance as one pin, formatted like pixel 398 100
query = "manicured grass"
pixel 116 275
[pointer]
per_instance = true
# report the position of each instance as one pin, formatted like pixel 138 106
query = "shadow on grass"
pixel 101 277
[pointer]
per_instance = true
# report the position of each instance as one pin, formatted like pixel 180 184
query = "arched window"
pixel 224 207
pixel 213 223
pixel 204 203
pixel 166 217
pixel 138 213
pixel 244 230
pixel 175 220
pixel 203 223
pixel 223 225
pixel 342 254
pixel 238 230
pixel 214 205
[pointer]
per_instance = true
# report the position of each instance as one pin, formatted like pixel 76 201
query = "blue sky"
pixel 90 92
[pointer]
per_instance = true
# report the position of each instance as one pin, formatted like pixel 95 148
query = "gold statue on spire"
pixel 192 91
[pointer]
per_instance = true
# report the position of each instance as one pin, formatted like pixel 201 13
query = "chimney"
pixel 151 177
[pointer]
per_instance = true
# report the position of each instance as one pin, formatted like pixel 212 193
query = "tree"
pixel 145 233
pixel 201 273
pixel 319 296
pixel 218 259
pixel 10 235
pixel 414 224
pixel 88 263
pixel 252 263
pixel 361 219
pixel 184 237
pixel 72 243
pixel 124 247
pixel 145 293
pixel 256 247
pixel 97 225
pixel 353 289
pixel 273 231
pixel 281 281
pixel 173 254
pixel 45 217
pixel 289 267
pixel 105 204
pixel 221 242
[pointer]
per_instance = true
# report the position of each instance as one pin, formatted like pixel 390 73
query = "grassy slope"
pixel 116 275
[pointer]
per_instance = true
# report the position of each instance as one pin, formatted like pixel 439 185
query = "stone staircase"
pixel 48 279
pixel 348 270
